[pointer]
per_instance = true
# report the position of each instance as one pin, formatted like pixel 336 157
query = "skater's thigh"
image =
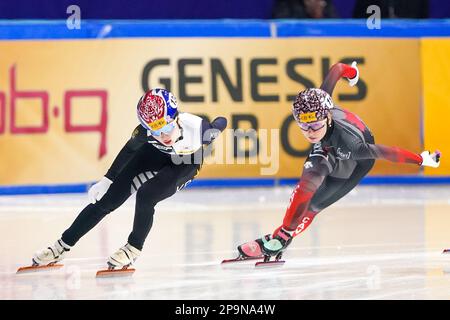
pixel 136 172
pixel 167 181
pixel 334 189
pixel 327 190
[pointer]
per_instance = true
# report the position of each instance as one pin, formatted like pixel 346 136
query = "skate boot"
pixel 274 247
pixel 48 258
pixel 250 250
pixel 264 248
pixel 51 255
pixel 120 261
pixel 254 249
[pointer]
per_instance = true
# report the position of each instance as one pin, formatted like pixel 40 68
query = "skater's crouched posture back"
pixel 145 165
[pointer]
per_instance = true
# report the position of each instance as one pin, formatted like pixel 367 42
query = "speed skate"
pixel 252 250
pixel 113 271
pixel 36 268
pixel 266 262
pixel 110 272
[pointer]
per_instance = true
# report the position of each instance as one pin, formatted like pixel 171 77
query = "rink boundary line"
pixel 225 28
pixel 228 183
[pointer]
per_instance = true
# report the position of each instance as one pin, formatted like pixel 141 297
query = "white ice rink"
pixel 377 243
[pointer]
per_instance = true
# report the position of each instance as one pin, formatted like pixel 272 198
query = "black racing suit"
pixel 145 166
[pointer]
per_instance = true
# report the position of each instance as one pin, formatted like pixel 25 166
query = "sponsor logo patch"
pixel 343 155
pixel 308 165
pixel 308 117
pixel 302 225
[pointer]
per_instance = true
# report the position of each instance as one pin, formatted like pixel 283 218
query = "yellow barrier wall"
pixel 69 106
pixel 436 99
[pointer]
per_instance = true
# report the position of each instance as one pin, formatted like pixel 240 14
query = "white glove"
pixel 98 190
pixel 354 81
pixel 431 160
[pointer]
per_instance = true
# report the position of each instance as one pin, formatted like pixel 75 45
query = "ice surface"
pixel 380 242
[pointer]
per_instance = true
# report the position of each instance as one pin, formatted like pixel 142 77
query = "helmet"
pixel 311 105
pixel 156 109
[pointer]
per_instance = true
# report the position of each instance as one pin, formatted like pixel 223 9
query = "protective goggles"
pixel 167 129
pixel 314 126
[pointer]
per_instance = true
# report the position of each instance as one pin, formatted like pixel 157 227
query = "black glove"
pixel 211 131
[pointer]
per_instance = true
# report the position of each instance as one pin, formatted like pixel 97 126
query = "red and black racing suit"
pixel 338 162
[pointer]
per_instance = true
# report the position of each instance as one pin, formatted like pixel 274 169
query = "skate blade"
pixel 447 251
pixel 30 269
pixel 269 264
pixel 240 260
pixel 115 273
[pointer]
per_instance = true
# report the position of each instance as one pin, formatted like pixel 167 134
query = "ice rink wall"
pixel 68 97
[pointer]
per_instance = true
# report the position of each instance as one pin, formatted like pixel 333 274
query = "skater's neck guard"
pixel 330 130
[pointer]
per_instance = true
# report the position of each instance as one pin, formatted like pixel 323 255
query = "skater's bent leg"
pixel 303 222
pixel 92 214
pixel 163 185
pixel 296 220
pixel 336 189
pixel 330 191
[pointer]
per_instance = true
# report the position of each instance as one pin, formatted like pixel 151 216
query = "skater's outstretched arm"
pixel 137 140
pixel 338 71
pixel 394 154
